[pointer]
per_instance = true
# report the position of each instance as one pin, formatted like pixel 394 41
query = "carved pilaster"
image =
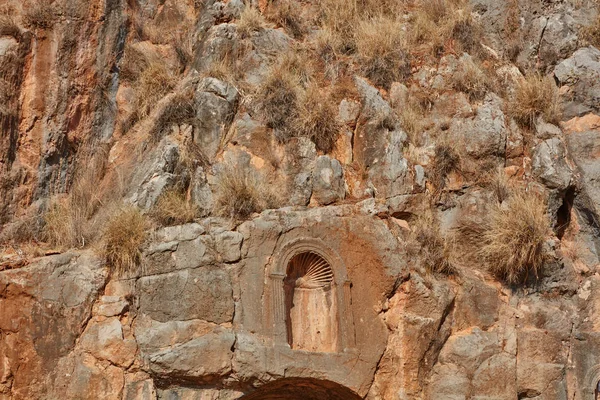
pixel 278 298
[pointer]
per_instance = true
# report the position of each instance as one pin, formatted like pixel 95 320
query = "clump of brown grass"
pixel 152 85
pixel 445 161
pixel 39 14
pixel 124 235
pixel 317 119
pixel 133 64
pixel 250 21
pixel 428 245
pixel 511 241
pixel 470 79
pixel 287 13
pixel 535 96
pixel 436 22
pixel 381 51
pixel 179 110
pixel 591 33
pixel 241 192
pixel 71 220
pixel 8 27
pixel 174 208
pixel 278 97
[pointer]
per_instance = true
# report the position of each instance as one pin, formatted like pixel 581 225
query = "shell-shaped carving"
pixel 310 271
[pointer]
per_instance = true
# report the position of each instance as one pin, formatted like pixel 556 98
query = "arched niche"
pixel 310 298
pixel 302 389
pixel 311 308
pixel 592 384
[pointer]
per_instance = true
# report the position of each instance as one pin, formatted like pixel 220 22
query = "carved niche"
pixel 311 299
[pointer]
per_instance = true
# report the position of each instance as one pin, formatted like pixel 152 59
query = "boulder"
pixel 581 73
pixel 328 181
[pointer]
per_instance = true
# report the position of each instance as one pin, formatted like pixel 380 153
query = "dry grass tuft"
pixel 471 80
pixel 250 21
pixel 278 97
pixel 535 96
pixel 152 85
pixel 381 50
pixel 240 193
pixel 180 110
pixel 436 22
pixel 124 235
pixel 591 33
pixel 446 160
pixel 317 119
pixel 287 13
pixel 8 27
pixel 428 245
pixel 174 208
pixel 71 220
pixel 512 239
pixel 39 14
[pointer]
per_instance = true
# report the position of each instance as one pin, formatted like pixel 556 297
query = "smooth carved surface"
pixel 311 305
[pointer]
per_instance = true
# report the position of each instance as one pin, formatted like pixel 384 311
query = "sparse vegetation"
pixel 287 13
pixel 446 160
pixel 470 79
pixel 8 27
pixel 241 192
pixel 427 243
pixel 173 208
pixel 152 85
pixel 124 235
pixel 535 95
pixel 179 110
pixel 251 20
pixel 591 33
pixel 39 14
pixel 278 96
pixel 381 51
pixel 511 240
pixel 317 119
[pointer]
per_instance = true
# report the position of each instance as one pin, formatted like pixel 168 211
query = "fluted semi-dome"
pixel 310 271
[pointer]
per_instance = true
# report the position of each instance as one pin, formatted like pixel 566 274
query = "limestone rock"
pixel 581 72
pixel 201 293
pixel 328 181
pixel 215 104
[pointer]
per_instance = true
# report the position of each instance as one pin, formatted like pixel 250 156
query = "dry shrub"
pixel 445 161
pixel 278 97
pixel 381 51
pixel 8 27
pixel 535 96
pixel 287 13
pixel 39 14
pixel 338 19
pixel 124 235
pixel 251 20
pixel 591 33
pixel 470 79
pixel 152 85
pixel 497 181
pixel 241 192
pixel 179 110
pixel 428 245
pixel 133 64
pixel 435 22
pixel 317 119
pixel 511 240
pixel 174 208
pixel 72 220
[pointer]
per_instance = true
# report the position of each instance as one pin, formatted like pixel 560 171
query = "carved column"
pixel 278 308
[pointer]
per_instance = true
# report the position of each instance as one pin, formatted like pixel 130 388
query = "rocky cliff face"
pixel 439 160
